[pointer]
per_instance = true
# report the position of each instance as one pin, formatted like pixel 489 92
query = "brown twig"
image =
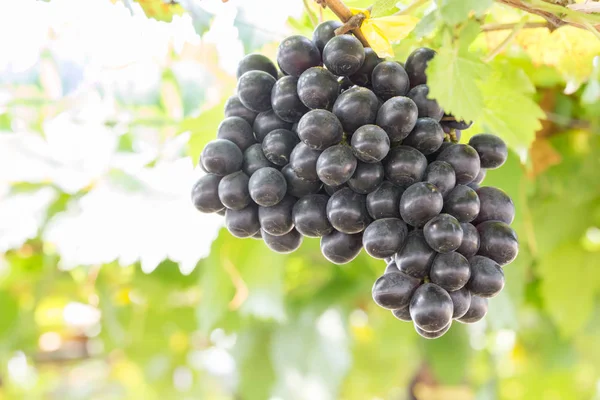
pixel 344 14
pixel 503 27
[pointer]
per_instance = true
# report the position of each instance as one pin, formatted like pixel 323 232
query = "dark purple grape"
pixel 310 215
pixel 257 235
pixel 366 177
pixel 278 145
pixel 404 166
pixel 465 161
pixel 389 79
pixel 397 117
pixel 242 223
pixel 318 88
pixel 461 299
pixel 221 157
pixel 343 55
pixel 324 32
pixel 384 237
pixel 419 203
pixel 427 107
pixel 266 122
pixel 296 54
pixel 267 186
pixel 341 248
pixel 462 203
pixel 498 242
pixel 347 211
pixel 470 242
pixel 363 76
pixel 480 177
pixel 432 335
pixel 450 271
pixel 391 267
pixel 256 62
pixel 384 202
pixel 477 310
pixel 487 277
pixel 233 191
pixel 416 65
pixel 254 159
pixel 427 136
pixel 285 100
pixel 443 233
pixel 320 129
pixel 277 220
pixel 235 108
pixel 441 174
pixel 496 205
pixel 284 244
pixel 345 83
pixel 336 165
pixel 237 130
pixel 221 212
pixel 491 149
pixel 394 290
pixel 205 195
pixel 330 190
pixel 431 307
pixel 370 143
pixel 433 156
pixel 254 90
pixel 403 314
pixel 356 107
pixel 303 161
pixel 297 186
pixel 416 256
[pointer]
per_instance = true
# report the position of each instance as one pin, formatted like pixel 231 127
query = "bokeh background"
pixel 112 286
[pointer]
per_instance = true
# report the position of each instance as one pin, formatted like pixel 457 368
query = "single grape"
pixel 235 108
pixel 384 237
pixel 320 129
pixel 221 212
pixel 205 194
pixel 450 271
pixel 427 107
pixel 254 159
pixel 324 32
pixel 285 100
pixel 237 130
pixel 257 235
pixel 303 161
pixel 487 277
pixel 370 143
pixel 433 156
pixel 477 310
pixel 356 107
pixel 416 64
pixel 403 314
pixel 433 335
pixel 491 149
pixel 416 256
pixel 341 248
pixel 441 174
pixel 362 77
pixel 462 203
pixel 256 62
pixel 473 186
pixel 330 190
pixel 345 83
pixel 242 223
pixel 233 191
pixel 496 205
pixel 343 55
pixel 310 215
pixel 397 117
pixel 427 136
pixel 366 177
pixel 480 177
pixel 267 186
pixel 296 54
pixel 347 211
pixel 389 79
pixel 498 242
pixel 277 220
pixel 465 161
pixel 420 203
pixel 318 88
pixel 384 202
pixel 297 186
pixel 336 165
pixel 286 243
pixel 461 299
pixel 470 242
pixel 221 157
pixel 394 290
pixel 431 307
pixel 443 233
pixel 405 165
pixel 391 266
pixel 266 122
pixel 278 145
pixel 254 90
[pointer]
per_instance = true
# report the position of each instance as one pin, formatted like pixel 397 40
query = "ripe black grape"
pixel 419 203
pixel 366 177
pixel 336 165
pixel 242 223
pixel 286 243
pixel 221 157
pixel 267 187
pixel 324 32
pixel 310 215
pixel 233 191
pixel 254 90
pixel 256 62
pixel 394 290
pixel 431 307
pixel 384 237
pixel 398 117
pixel 462 203
pixel 477 310
pixel 205 194
pixel 450 271
pixel 391 266
pixel 491 149
pixel 443 233
pixel 303 161
pixel 470 242
pixel 296 54
pixel 384 202
pixel 461 299
pixel 285 100
pixel 235 108
pixel 237 130
pixel 403 314
pixel 318 88
pixel 498 242
pixel 465 161
pixel 416 64
pixel 356 107
pixel 278 145
pixel 362 77
pixel 347 211
pixel 320 129
pixel 480 177
pixel 277 220
pixel 427 136
pixel 405 165
pixel 427 107
pixel 487 278
pixel 441 174
pixel 341 248
pixel 416 256
pixel 254 159
pixel 432 335
pixel 266 122
pixel 343 55
pixel 330 190
pixel 297 186
pixel 496 205
pixel 370 143
pixel 389 79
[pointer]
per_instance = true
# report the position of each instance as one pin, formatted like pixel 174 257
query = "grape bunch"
pixel 341 145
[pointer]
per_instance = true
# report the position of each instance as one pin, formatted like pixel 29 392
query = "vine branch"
pixel 345 15
pixel 507 26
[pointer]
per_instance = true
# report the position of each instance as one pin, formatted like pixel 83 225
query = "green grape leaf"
pixel 454 12
pixel 201 19
pixel 253 37
pixel 256 378
pixel 382 8
pixel 449 355
pixel 203 129
pixel 9 309
pixel 160 10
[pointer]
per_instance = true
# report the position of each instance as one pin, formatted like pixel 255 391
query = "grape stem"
pixel 515 31
pixel 345 15
pixel 502 27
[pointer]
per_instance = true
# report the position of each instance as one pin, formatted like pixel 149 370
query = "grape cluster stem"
pixel 351 22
